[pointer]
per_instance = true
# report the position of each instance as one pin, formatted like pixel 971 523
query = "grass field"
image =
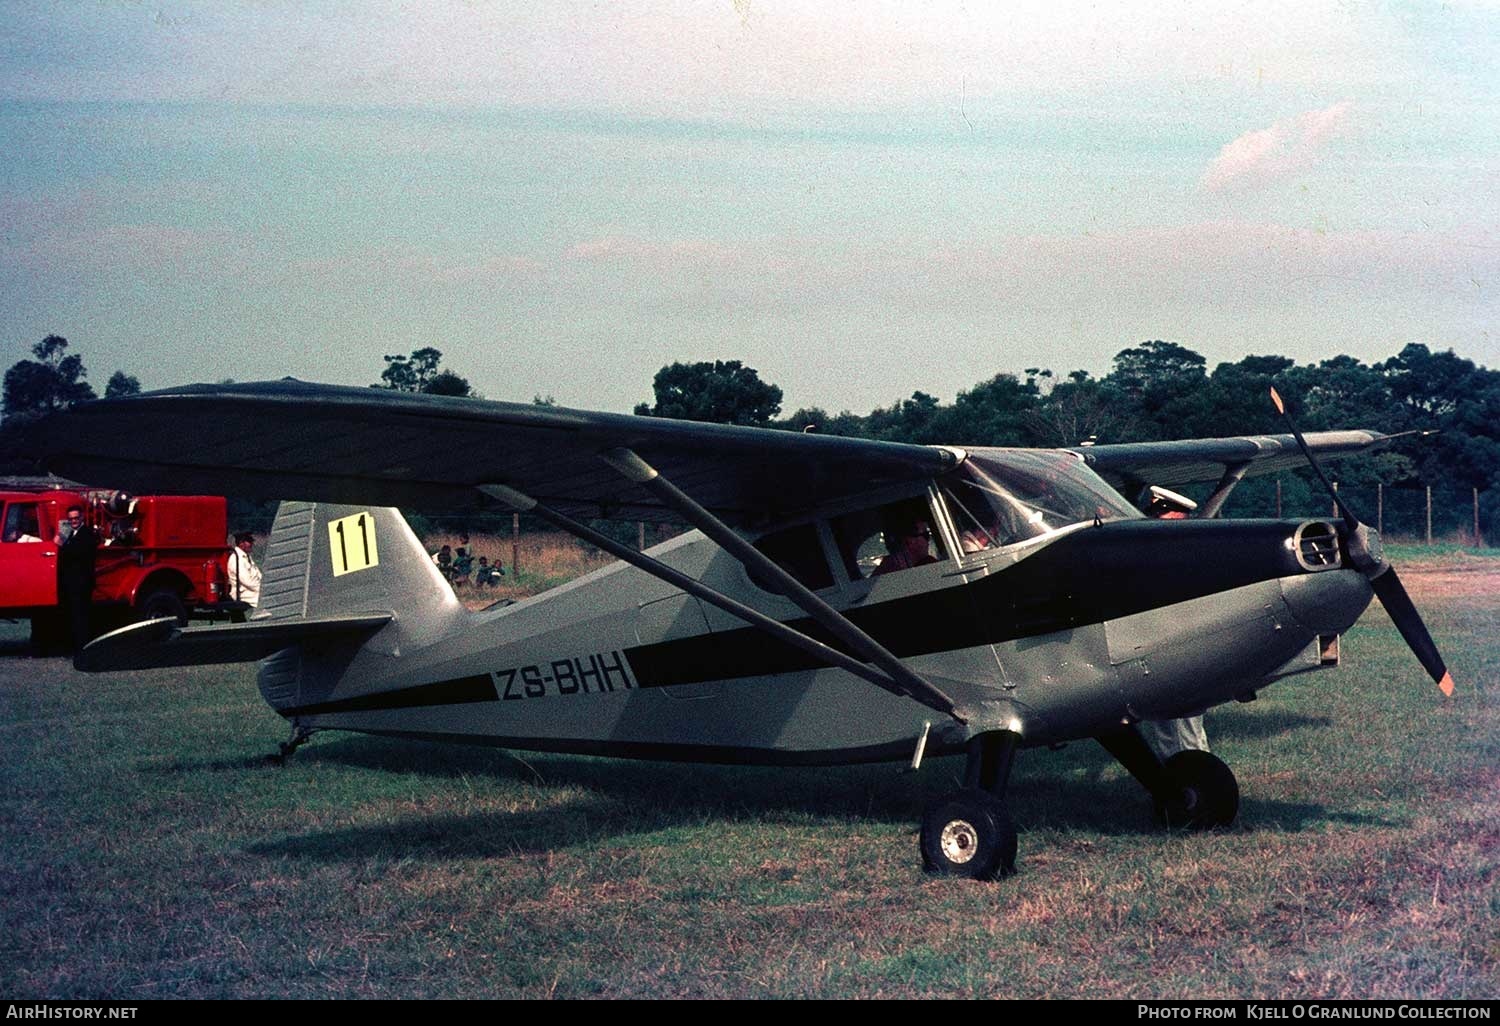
pixel 148 851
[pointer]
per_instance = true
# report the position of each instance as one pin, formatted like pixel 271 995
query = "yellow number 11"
pixel 351 542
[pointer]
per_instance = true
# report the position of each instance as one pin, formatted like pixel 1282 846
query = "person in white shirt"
pixel 244 575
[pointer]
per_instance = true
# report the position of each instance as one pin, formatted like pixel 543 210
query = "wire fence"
pixel 1417 513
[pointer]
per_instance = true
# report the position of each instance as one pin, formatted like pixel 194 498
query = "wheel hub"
pixel 959 841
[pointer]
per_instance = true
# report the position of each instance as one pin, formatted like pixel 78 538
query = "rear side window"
pixel 799 552
pixel 897 536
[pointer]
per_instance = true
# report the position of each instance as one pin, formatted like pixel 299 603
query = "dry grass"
pixel 546 559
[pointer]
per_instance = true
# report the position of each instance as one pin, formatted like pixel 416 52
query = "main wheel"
pixel 163 603
pixel 1204 793
pixel 969 833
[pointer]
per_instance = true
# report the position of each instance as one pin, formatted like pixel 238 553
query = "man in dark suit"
pixel 76 542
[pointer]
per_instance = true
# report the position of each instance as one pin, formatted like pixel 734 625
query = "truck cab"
pixel 158 555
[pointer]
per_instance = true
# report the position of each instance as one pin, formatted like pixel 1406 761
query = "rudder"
pixel 323 561
pixel 325 558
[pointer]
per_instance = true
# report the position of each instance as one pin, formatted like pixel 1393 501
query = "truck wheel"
pixel 164 603
pixel 49 633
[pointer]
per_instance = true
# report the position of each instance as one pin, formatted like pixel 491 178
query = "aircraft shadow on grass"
pixel 623 798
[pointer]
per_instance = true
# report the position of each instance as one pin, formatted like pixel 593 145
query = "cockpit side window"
pixel 799 552
pixel 896 536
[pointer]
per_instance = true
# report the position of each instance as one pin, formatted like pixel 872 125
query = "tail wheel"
pixel 969 834
pixel 164 603
pixel 1203 792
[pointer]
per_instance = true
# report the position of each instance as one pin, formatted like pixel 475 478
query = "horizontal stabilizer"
pixel 156 643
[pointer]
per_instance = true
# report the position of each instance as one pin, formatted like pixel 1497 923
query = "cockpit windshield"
pixel 999 497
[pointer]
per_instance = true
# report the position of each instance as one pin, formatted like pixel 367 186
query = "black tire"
pixel 969 834
pixel 1204 793
pixel 164 602
pixel 49 633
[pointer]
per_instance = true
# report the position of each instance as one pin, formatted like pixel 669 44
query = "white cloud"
pixel 1286 147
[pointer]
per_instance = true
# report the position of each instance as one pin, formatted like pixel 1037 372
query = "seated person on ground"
pixel 487 575
pixel 463 565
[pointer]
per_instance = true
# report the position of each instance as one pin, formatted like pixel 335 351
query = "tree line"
pixel 1159 391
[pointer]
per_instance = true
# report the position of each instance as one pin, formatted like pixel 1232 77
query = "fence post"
pixel 640 536
pixel 1429 514
pixel 1379 508
pixel 1476 518
pixel 515 543
pixel 1335 499
pixel 1278 498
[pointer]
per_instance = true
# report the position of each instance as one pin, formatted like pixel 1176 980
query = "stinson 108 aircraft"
pixel 842 600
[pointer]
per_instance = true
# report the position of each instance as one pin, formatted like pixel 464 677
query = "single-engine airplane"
pixel 841 600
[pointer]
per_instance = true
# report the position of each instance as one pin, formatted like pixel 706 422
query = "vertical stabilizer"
pixel 326 559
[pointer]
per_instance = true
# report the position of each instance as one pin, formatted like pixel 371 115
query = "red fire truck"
pixel 159 555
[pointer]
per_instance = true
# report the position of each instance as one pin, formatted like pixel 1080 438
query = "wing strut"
pixel 826 653
pixel 1233 474
pixel 635 469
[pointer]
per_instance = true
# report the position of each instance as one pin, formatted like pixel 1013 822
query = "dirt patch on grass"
pixel 1481 578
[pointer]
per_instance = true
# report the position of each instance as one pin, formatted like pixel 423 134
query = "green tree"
pixel 1342 392
pixel 1155 363
pixel 908 420
pixel 422 372
pixel 820 421
pixel 1164 382
pixel 121 384
pixel 54 380
pixel 1445 392
pixel 1081 408
pixel 721 392
pixel 993 412
pixel 446 382
pixel 1235 400
pixel 410 373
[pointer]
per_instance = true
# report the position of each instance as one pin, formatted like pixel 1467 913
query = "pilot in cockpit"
pixel 908 542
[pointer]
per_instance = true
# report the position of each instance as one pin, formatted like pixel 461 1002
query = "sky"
pixel 859 200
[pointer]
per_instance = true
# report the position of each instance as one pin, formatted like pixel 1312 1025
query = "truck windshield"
pixel 999 497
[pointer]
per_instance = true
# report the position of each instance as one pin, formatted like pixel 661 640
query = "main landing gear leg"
pixel 969 832
pixel 1192 789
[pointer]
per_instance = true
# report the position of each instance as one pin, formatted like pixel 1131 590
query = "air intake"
pixel 1317 545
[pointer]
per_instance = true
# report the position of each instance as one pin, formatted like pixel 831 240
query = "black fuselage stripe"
pixel 1086 577
pixel 458 691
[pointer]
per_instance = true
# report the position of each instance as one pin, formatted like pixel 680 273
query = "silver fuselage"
pixel 1078 632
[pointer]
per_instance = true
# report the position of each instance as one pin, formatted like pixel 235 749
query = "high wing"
pixel 291 439
pixel 295 440
pixel 1130 465
pixel 336 444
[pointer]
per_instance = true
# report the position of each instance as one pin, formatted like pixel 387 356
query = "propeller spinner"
pixel 1368 557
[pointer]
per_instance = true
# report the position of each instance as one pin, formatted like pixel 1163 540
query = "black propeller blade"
pixel 1366 555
